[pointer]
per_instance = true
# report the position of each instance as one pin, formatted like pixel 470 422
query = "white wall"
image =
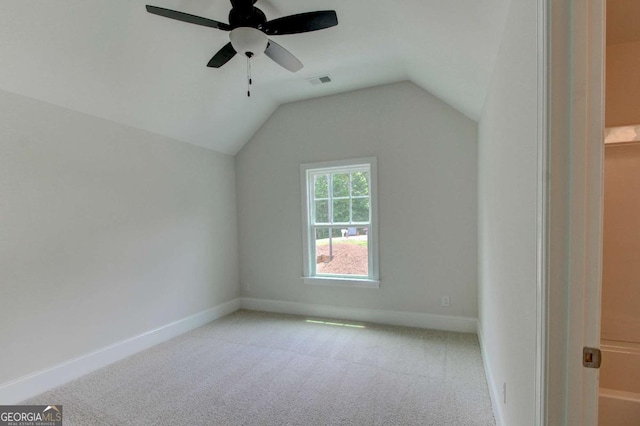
pixel 507 217
pixel 427 169
pixel 105 232
pixel 623 84
pixel 621 244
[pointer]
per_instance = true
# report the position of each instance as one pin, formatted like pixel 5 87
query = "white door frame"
pixel 577 98
pixel 542 207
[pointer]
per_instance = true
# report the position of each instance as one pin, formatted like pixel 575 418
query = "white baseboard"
pixel 495 393
pixel 408 319
pixel 33 384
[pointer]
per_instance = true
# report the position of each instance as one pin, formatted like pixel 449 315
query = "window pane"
pixel 360 209
pixel 344 255
pixel 322 233
pixel 340 184
pixel 341 210
pixel 359 183
pixel 322 211
pixel 324 245
pixel 321 184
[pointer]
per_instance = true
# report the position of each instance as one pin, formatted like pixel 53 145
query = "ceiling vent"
pixel 319 80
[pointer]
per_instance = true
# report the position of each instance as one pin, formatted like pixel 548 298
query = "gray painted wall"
pixel 105 232
pixel 427 170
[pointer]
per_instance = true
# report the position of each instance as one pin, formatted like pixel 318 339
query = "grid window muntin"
pixel 329 174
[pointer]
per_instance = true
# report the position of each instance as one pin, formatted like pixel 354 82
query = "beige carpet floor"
pixel 252 368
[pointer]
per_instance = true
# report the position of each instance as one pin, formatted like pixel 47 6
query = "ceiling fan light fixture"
pixel 248 41
pixel 249 29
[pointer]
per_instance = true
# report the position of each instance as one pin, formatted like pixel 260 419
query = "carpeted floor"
pixel 252 368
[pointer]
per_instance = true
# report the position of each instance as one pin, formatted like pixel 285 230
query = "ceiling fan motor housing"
pixel 248 41
pixel 242 16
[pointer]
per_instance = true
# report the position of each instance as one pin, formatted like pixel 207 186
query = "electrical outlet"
pixel 445 301
pixel 504 393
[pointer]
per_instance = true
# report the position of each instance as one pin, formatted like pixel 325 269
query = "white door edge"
pixel 587 155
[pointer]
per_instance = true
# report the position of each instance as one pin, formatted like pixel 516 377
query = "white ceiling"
pixel 112 59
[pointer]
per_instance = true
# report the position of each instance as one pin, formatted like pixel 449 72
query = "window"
pixel 340 223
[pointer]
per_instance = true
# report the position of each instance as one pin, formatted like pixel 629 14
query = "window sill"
pixel 342 282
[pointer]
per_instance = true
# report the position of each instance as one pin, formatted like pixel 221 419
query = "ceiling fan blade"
pixel 301 23
pixel 282 57
pixel 185 17
pixel 222 57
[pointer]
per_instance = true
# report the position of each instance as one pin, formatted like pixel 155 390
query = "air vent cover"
pixel 320 80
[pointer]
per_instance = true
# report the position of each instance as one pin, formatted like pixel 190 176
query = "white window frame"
pixel 309 277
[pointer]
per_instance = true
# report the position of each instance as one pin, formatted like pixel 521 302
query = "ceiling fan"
pixel 249 31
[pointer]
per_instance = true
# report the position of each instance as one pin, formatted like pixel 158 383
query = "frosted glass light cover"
pixel 248 40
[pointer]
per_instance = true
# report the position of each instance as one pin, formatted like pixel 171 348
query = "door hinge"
pixel 591 357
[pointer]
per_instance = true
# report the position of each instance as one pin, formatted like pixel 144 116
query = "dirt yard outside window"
pixel 350 256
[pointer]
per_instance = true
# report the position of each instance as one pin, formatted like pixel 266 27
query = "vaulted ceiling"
pixel 112 59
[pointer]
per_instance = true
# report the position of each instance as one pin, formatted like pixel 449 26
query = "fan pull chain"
pixel 249 80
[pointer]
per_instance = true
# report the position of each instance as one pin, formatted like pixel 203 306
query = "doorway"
pixel 619 390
